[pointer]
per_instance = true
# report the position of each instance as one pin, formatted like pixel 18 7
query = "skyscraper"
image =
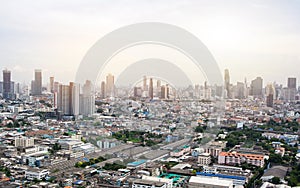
pixel 137 91
pixel 240 90
pixel 74 96
pixel 63 99
pixel 163 92
pixel 145 87
pixel 87 101
pixel 292 83
pixel 270 93
pixel 110 85
pixel 227 83
pixel 151 88
pixel 7 84
pixel 36 84
pixel 68 99
pixel 51 84
pixel 291 90
pixel 103 88
pixel 256 87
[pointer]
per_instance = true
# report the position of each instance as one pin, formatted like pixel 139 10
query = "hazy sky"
pixel 250 38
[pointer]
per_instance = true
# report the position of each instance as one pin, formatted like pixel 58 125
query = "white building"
pixel 24 142
pixel 33 173
pixel 107 143
pixel 152 182
pixel 87 100
pixel 198 181
pixel 204 159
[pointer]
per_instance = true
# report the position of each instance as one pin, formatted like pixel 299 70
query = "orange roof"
pixel 248 156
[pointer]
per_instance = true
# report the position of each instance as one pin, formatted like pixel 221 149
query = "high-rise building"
pixel 74 96
pixel 158 83
pixel 145 87
pixel 7 94
pixel 151 89
pixel 269 100
pixel 103 88
pixel 137 91
pixel 168 91
pixel 110 85
pixel 36 84
pixel 256 87
pixel 289 94
pixel 292 83
pixel 227 83
pixel 68 99
pixel 55 87
pixel 163 92
pixel 87 100
pixel 240 90
pixel 63 99
pixel 270 93
pixel 51 87
pixel 1 87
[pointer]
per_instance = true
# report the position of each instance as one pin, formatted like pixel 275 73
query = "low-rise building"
pixel 214 148
pixel 233 158
pixel 204 159
pixel 152 182
pixel 33 173
pixel 24 142
pixel 199 181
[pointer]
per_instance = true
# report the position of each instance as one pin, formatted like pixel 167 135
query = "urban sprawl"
pixel 152 135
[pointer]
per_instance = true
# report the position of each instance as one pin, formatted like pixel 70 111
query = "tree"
pixel 275 158
pixel 199 129
pixel 275 180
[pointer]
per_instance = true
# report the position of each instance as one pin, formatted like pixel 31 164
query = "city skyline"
pixel 237 33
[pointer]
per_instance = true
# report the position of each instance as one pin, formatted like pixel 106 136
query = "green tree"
pixel 199 129
pixel 275 180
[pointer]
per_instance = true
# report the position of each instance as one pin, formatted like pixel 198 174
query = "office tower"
pixel 17 88
pixel 1 87
pixel 163 92
pixel 240 90
pixel 137 91
pixel 227 83
pixel 246 89
pixel 168 91
pixel 158 84
pixel 51 84
pixel 110 85
pixel 7 84
pixel 145 87
pixel 270 93
pixel 87 101
pixel 207 91
pixel 12 88
pixel 197 91
pixel 36 84
pixel 55 87
pixel 103 88
pixel 63 100
pixel 151 88
pixel 256 87
pixel 292 83
pixel 74 96
pixel 289 93
pixel 68 99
